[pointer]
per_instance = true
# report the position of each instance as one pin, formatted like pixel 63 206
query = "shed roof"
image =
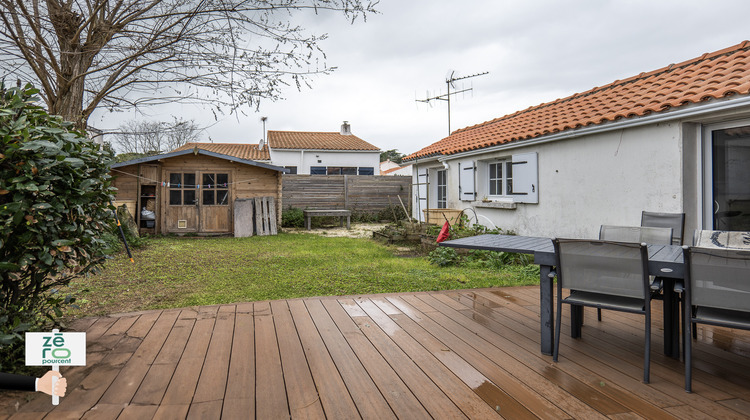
pixel 709 77
pixel 241 151
pixel 199 151
pixel 317 141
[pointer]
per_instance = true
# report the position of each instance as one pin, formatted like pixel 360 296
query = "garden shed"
pixel 200 190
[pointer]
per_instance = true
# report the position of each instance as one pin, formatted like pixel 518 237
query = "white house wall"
pixel 585 182
pixel 303 160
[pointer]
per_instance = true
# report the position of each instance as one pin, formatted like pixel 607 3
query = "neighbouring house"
pixel 323 153
pixel 676 139
pixel 193 189
pixel 391 168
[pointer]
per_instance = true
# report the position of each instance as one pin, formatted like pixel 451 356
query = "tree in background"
pixel 54 208
pixel 147 138
pixel 128 53
pixel 393 155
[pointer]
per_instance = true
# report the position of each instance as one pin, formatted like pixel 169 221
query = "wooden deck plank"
pixel 427 392
pixel 370 402
pixel 449 354
pixel 239 397
pixel 304 401
pixel 126 384
pixel 531 369
pixel 334 396
pixel 270 394
pixel 398 395
pixel 213 379
pixel 471 404
pixel 609 351
pixel 522 399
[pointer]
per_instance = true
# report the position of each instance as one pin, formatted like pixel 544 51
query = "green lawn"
pixel 177 272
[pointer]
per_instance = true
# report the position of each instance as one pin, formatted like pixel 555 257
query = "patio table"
pixel 664 261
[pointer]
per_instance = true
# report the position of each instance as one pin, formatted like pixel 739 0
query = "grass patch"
pixel 179 272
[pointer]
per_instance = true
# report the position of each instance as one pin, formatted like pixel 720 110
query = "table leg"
pixel 671 320
pixel 348 222
pixel 546 313
pixel 308 225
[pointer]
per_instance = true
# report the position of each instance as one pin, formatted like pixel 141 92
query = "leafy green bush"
pixel 443 256
pixel 292 217
pixel 54 208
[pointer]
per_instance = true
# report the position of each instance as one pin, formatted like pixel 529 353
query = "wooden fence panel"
pixel 364 193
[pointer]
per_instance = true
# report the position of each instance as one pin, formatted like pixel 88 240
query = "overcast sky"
pixel 534 50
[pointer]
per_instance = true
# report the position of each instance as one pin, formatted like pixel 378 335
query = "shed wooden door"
pixel 182 203
pixel 215 202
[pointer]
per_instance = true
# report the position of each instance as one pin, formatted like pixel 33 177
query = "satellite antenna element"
pixel 447 96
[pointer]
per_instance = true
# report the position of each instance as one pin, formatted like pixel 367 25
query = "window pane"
pixel 222 180
pixel 317 170
pixel 493 188
pixel 292 169
pixel 208 181
pixel 222 197
pixel 509 170
pixel 493 170
pixel 188 197
pixel 348 171
pixel 509 186
pixel 334 170
pixel 175 179
pixel 175 197
pixel 208 197
pixel 367 171
pixel 189 180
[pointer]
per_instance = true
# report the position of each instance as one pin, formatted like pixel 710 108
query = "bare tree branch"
pixel 228 54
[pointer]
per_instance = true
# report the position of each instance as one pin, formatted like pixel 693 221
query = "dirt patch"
pixel 358 230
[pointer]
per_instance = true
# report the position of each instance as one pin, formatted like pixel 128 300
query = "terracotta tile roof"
pixel 708 77
pixel 317 141
pixel 240 151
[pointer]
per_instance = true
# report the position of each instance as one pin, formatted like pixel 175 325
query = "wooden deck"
pixel 445 355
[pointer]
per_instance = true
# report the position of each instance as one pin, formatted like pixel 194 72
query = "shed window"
pixel 442 190
pixel 367 171
pixel 214 189
pixel 181 189
pixel 317 170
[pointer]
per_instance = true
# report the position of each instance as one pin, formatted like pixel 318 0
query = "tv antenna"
pixel 447 96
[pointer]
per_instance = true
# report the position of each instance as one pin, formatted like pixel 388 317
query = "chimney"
pixel 346 129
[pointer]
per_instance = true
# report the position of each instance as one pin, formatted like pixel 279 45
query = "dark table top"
pixel 664 260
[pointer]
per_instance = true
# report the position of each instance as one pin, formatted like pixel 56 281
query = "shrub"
pixel 443 256
pixel 292 217
pixel 54 208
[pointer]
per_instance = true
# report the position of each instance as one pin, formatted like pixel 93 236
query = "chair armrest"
pixel 656 284
pixel 679 286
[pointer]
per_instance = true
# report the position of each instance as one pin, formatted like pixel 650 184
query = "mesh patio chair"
pixel 607 275
pixel 676 221
pixel 638 234
pixel 718 291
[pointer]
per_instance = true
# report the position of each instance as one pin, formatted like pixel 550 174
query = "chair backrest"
pixel 613 268
pixel 719 278
pixel 721 239
pixel 676 221
pixel 649 235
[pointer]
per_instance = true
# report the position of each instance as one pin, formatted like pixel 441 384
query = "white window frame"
pixel 441 189
pixel 503 179
pixel 706 167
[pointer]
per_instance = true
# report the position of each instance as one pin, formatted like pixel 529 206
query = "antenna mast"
pixel 447 96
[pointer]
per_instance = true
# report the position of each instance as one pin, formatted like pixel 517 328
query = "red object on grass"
pixel 444 233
